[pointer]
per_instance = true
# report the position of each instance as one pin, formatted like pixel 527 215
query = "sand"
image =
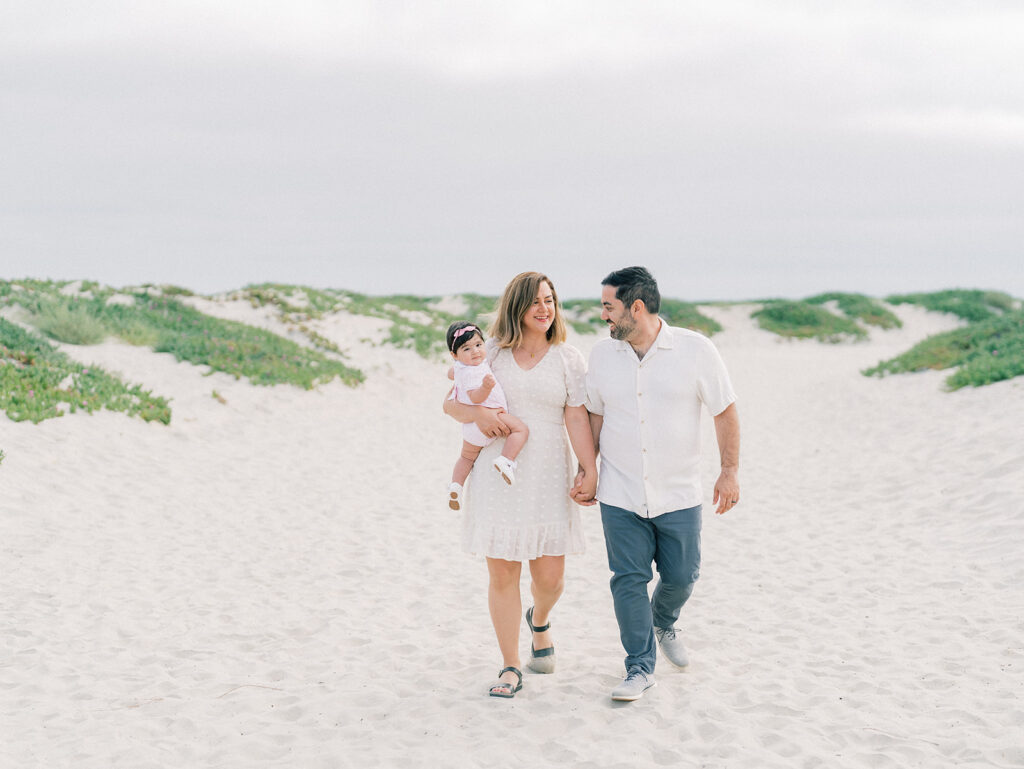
pixel 275 581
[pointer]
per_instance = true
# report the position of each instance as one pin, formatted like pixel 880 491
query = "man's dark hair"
pixel 632 283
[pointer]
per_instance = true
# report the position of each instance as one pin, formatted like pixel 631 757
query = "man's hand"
pixel 584 488
pixel 727 490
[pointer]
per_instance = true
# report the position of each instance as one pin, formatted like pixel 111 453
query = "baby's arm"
pixel 479 395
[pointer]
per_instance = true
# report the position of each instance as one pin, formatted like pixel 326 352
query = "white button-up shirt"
pixel 650 438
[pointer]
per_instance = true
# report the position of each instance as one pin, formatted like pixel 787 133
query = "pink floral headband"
pixel 462 331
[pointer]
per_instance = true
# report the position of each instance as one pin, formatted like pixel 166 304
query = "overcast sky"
pixel 739 149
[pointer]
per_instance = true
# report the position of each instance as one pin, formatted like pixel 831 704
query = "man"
pixel 646 387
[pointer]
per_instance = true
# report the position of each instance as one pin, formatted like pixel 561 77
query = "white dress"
pixel 534 517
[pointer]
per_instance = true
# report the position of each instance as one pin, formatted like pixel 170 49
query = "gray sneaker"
pixel 633 686
pixel 672 646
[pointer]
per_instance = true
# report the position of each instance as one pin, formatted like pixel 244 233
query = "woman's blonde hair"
pixel 519 296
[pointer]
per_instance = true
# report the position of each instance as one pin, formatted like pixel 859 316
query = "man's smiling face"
pixel 620 320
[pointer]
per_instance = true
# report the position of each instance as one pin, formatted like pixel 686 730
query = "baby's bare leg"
pixel 464 464
pixel 517 438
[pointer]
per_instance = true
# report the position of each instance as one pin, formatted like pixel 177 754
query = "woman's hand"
pixel 577 425
pixel 484 418
pixel 584 488
pixel 489 424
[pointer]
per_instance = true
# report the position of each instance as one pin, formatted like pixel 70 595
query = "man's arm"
pixel 727 487
pixel 577 426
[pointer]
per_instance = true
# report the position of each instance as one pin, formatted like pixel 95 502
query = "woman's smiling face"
pixel 541 313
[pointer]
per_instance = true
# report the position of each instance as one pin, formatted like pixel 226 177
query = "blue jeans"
pixel 672 542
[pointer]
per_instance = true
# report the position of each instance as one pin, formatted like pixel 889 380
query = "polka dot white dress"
pixel 534 517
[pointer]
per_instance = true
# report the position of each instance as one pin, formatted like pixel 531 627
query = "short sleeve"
pixel 594 403
pixel 575 369
pixel 713 384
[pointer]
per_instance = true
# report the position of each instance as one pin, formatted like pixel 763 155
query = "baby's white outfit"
pixel 471 378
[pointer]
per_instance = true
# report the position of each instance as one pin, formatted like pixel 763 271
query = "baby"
pixel 475 385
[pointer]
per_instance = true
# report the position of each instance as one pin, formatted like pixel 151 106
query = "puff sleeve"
pixel 492 349
pixel 575 369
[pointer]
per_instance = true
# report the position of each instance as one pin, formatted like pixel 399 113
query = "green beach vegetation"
pixel 68 321
pixel 859 307
pixel 989 349
pixel 686 315
pixel 38 382
pixel 584 315
pixel 804 320
pixel 808 319
pixel 970 304
pixel 228 346
pixel 153 317
pixel 417 322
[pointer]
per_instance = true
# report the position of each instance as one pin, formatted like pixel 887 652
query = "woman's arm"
pixel 577 425
pixel 596 421
pixel 486 419
pixel 578 492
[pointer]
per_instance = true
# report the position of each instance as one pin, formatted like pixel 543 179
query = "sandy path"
pixel 276 581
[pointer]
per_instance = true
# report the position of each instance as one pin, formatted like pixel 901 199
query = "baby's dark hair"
pixel 455 342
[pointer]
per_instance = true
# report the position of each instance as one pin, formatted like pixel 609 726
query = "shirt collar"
pixel 663 340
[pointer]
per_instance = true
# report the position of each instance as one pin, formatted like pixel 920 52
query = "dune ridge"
pixel 274 579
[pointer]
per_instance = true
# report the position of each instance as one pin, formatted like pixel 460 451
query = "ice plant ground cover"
pixel 40 382
pixel 983 352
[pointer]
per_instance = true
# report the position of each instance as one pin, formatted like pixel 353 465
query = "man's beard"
pixel 623 327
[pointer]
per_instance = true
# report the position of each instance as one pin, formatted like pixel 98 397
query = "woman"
pixel 533 520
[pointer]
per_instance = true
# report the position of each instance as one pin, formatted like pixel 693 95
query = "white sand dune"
pixel 276 581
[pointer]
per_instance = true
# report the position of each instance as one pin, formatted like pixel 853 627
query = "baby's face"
pixel 472 353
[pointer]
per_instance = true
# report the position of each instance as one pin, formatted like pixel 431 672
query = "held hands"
pixel 727 490
pixel 584 488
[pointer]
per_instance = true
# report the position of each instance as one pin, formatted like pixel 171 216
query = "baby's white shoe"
pixel 507 468
pixel 455 496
